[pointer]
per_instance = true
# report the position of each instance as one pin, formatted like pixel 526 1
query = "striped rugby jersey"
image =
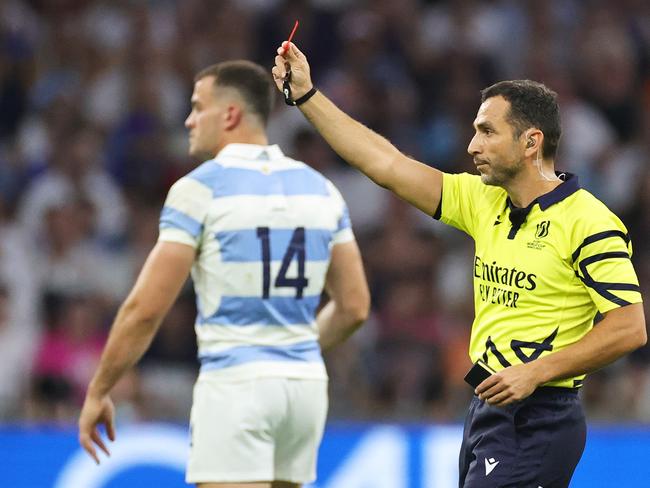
pixel 263 226
pixel 541 273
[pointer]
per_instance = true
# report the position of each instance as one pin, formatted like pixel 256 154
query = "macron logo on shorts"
pixel 490 464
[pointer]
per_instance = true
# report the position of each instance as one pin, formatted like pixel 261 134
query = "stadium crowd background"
pixel 93 95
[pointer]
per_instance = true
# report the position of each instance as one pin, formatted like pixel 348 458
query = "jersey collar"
pixel 560 192
pixel 518 215
pixel 556 195
pixel 252 152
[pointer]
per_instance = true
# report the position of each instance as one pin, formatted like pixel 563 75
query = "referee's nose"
pixel 474 147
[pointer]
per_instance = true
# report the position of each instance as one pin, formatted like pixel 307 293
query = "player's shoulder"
pixel 314 175
pixel 200 179
pixel 295 164
pixel 205 171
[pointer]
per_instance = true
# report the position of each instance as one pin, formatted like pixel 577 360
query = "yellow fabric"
pixel 538 290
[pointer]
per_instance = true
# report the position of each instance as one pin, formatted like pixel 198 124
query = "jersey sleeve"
pixel 343 232
pixel 183 214
pixel 602 261
pixel 459 202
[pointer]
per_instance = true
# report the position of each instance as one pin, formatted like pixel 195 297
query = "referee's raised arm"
pixel 369 152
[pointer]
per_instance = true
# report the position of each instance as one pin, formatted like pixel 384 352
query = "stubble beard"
pixel 501 175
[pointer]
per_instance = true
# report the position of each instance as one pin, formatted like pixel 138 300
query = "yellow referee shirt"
pixel 540 273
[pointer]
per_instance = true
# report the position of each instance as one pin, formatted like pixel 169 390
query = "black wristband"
pixel 306 96
pixel 286 89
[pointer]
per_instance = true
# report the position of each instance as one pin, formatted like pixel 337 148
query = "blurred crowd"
pixel 93 96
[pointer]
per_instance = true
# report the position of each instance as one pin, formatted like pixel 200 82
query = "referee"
pixel 549 258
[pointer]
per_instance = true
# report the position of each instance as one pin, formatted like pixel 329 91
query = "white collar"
pixel 251 151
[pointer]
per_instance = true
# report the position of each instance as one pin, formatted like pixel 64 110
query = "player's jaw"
pixel 204 136
pixel 192 149
pixel 198 148
pixel 194 145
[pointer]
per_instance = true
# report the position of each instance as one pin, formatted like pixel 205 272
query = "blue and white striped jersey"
pixel 263 226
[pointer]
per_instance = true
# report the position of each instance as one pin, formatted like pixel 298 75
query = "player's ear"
pixel 232 116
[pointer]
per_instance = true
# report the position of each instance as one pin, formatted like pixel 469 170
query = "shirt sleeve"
pixel 343 232
pixel 602 261
pixel 460 194
pixel 183 215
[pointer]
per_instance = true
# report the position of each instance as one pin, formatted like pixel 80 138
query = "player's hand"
pixel 96 411
pixel 295 60
pixel 509 385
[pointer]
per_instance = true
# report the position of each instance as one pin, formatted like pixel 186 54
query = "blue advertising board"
pixel 351 456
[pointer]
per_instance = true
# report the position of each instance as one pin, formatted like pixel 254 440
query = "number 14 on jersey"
pixel 295 250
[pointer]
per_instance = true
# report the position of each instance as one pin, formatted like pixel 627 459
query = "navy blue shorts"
pixel 531 444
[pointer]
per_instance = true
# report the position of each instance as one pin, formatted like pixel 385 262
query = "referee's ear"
pixel 533 141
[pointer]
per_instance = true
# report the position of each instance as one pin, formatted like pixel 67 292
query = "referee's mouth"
pixel 479 162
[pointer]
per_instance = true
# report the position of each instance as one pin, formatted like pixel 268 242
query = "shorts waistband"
pixel 548 391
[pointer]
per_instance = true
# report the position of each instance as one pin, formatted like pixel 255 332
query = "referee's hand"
pixel 96 411
pixel 508 386
pixel 293 59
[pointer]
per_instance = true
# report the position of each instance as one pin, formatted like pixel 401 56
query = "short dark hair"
pixel 249 79
pixel 532 104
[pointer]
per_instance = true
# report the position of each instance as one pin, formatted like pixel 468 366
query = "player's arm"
pixel 349 296
pixel 157 287
pixel 370 153
pixel 621 331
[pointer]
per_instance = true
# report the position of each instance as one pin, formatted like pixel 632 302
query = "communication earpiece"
pixel 530 143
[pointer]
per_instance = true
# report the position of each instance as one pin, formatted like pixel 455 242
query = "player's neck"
pixel 531 184
pixel 244 135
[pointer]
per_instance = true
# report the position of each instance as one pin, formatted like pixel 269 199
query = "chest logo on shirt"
pixel 542 229
pixel 541 232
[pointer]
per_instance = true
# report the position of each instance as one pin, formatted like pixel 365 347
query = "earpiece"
pixel 530 143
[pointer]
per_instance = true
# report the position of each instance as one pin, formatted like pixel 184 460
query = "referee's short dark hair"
pixel 532 104
pixel 251 80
